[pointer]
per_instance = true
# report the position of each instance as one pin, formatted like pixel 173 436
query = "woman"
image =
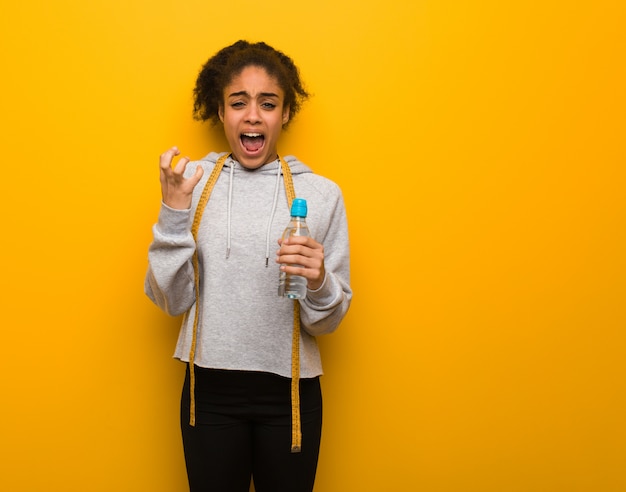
pixel 251 406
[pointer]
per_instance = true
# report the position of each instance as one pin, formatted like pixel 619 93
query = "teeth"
pixel 252 135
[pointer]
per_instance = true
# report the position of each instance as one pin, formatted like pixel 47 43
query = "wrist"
pixel 317 284
pixel 177 204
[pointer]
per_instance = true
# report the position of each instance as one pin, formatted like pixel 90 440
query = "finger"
pixel 306 272
pixel 197 176
pixel 165 160
pixel 181 165
pixel 309 248
pixel 300 258
pixel 303 241
pixel 288 248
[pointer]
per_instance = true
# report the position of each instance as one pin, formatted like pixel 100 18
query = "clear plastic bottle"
pixel 294 286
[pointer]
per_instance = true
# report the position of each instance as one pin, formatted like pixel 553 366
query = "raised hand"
pixel 175 189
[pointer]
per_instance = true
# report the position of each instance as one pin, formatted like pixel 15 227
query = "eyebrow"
pixel 245 93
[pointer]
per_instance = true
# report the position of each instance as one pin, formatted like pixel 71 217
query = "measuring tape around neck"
pixel 296 426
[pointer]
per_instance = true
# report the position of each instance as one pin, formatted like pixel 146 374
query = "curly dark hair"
pixel 229 62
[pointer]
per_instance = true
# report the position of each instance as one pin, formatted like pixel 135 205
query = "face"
pixel 253 114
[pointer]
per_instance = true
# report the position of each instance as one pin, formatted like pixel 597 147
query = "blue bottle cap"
pixel 298 207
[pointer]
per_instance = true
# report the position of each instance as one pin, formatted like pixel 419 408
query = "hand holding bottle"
pixel 300 256
pixel 305 252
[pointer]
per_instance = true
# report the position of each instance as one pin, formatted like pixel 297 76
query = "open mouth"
pixel 252 142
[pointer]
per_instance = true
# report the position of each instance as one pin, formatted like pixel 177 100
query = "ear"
pixel 220 112
pixel 285 115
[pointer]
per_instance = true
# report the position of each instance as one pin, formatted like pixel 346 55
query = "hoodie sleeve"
pixel 323 309
pixel 169 281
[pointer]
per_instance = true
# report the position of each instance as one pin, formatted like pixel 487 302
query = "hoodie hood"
pixel 232 169
pixel 295 165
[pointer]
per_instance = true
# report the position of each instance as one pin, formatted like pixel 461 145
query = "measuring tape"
pixel 296 426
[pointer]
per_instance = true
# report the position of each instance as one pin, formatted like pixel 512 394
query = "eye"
pixel 237 104
pixel 268 105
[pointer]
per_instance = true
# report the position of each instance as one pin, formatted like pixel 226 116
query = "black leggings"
pixel 243 431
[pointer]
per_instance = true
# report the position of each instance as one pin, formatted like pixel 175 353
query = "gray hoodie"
pixel 243 324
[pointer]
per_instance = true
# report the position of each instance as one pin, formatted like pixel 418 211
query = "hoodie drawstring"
pixel 230 203
pixel 269 223
pixel 296 427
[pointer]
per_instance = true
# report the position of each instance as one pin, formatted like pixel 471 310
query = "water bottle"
pixel 294 286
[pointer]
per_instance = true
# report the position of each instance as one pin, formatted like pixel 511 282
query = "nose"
pixel 253 115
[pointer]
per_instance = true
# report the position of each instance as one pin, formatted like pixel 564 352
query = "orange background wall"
pixel 480 147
